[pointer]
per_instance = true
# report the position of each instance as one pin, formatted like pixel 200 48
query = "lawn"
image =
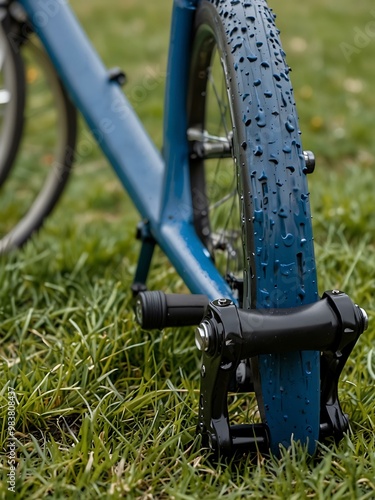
pixel 105 409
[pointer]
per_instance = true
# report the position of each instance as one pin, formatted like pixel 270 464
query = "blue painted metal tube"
pixel 176 235
pixel 176 201
pixel 192 260
pixel 124 141
pixel 108 113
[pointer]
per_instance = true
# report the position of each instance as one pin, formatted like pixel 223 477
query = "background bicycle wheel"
pixel 37 175
pixel 85 375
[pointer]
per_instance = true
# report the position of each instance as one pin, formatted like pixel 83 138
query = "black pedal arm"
pixel 226 335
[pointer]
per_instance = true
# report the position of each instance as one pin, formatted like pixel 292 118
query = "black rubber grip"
pixel 158 310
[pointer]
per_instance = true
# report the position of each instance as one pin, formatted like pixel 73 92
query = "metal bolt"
pixel 212 442
pixel 203 334
pixel 309 161
pixel 336 292
pixel 223 302
pixel 139 312
pixel 203 371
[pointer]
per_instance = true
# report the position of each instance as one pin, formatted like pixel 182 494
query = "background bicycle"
pixel 74 276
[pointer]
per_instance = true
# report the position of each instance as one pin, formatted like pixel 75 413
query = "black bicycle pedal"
pixel 158 310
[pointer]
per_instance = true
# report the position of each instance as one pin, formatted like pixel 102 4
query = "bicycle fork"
pixel 228 336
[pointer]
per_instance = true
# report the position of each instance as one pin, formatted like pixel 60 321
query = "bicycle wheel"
pixel 249 193
pixel 12 102
pixel 43 164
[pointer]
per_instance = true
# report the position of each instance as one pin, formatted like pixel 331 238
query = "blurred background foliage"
pixel 329 46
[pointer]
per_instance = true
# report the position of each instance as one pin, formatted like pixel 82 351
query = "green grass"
pixel 107 409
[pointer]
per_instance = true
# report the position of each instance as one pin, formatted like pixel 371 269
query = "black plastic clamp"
pixel 227 335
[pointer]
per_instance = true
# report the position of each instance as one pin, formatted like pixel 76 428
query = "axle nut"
pixel 309 161
pixel 203 334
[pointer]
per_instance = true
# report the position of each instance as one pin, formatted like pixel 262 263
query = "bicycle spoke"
pixel 222 108
pixel 217 212
pixel 223 200
pixel 223 197
pixel 225 203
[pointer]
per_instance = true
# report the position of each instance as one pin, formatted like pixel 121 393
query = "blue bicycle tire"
pixel 279 270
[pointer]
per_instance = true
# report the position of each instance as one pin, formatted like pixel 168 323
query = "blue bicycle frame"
pixel 159 186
